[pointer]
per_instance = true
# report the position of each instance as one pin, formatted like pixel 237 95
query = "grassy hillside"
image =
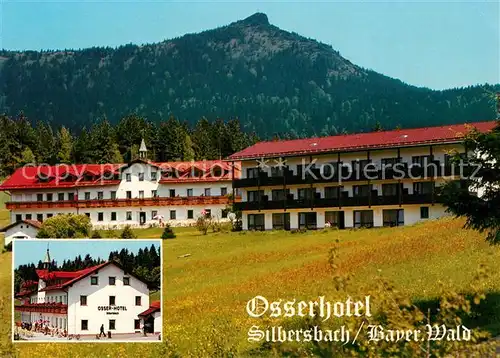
pixel 207 291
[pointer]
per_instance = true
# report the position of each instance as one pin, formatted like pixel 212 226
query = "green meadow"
pixel 208 279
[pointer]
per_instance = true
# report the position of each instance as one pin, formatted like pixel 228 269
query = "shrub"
pixel 65 226
pixel 203 223
pixel 8 247
pixel 168 233
pixel 111 233
pixel 96 234
pixel 127 233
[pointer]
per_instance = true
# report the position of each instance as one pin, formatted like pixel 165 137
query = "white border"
pixel 81 241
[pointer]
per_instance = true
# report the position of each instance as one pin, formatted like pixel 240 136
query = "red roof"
pixel 84 175
pixel 362 141
pixel 72 276
pixel 34 223
pixel 154 306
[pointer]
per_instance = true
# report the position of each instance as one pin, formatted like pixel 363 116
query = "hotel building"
pixel 113 195
pixel 385 178
pixel 81 301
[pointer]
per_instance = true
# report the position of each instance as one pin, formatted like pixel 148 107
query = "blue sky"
pixel 31 251
pixel 434 44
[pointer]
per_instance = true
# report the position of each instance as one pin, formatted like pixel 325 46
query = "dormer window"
pixel 128 177
pixel 141 176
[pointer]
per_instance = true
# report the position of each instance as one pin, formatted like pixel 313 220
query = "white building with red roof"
pixel 80 302
pixel 24 229
pixel 113 195
pixel 385 178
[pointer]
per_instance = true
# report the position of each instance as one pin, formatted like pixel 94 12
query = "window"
pixel 87 195
pixel 424 212
pixel 254 195
pixel 190 214
pixel 112 280
pixel 39 197
pixel 49 215
pixel 153 176
pixel 307 221
pixel 421 160
pixel 141 176
pixel 361 190
pixel 129 194
pixel 332 192
pixel 60 196
pixel 94 280
pixel 128 177
pixel 113 216
pixel 207 192
pixel 208 213
pixel 390 162
pixel 39 217
pixel 100 216
pixel 224 213
pixel 71 196
pixel 100 195
pixel 393 217
pixel 137 300
pixel 252 173
pixel 363 218
pixel 126 281
pixel 84 325
pixel 137 324
pixel 332 217
pixel 390 189
pixel 190 192
pixel 281 221
pixel 83 300
pixel 141 194
pixel 306 193
pixel 172 215
pixel 28 216
pixel 277 171
pixel 154 193
pixel 19 217
pixel 112 300
pixel 171 193
pixel 112 324
pixel 113 195
pixel 423 187
pixel 154 213
pixel 49 197
pixel 223 191
pixel 256 222
pixel 129 215
pixel 87 214
pixel 279 194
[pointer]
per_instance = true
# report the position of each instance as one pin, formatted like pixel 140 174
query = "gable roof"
pixel 76 276
pixel 362 141
pixel 154 306
pixel 33 223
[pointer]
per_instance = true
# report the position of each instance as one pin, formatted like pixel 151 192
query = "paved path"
pixel 132 337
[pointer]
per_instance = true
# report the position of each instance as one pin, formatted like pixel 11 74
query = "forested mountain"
pixel 274 81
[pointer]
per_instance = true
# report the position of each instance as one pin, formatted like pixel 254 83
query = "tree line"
pixel 22 142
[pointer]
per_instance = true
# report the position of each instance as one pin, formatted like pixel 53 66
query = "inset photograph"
pixel 87 290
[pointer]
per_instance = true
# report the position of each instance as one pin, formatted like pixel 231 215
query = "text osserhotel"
pixel 260 306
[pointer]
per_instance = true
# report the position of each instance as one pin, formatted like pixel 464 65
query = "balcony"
pixel 374 200
pixel 403 171
pixel 43 308
pixel 114 203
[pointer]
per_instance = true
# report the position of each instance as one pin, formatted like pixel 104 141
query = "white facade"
pixel 21 230
pixel 268 214
pixel 136 199
pixel 107 296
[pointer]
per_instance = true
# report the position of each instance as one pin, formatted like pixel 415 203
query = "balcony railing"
pixel 43 307
pixel 403 171
pixel 338 202
pixel 112 203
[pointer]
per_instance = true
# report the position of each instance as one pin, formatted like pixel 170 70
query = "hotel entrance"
pixel 142 217
pixel 149 324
